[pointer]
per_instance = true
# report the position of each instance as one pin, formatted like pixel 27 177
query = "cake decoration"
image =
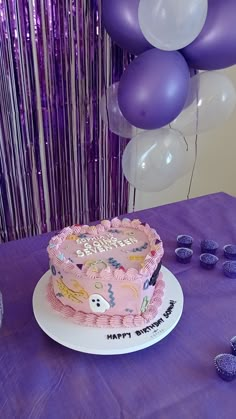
pixel 98 304
pixel 98 285
pixel 146 284
pixel 121 271
pixel 71 294
pixel 111 295
pixel 53 269
pixel 144 304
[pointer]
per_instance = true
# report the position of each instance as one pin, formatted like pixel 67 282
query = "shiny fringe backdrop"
pixel 58 163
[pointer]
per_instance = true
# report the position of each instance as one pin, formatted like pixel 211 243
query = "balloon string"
pixel 134 199
pixel 196 148
pixel 194 165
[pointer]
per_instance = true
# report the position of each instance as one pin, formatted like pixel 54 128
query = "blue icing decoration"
pixel 111 296
pixel 146 284
pixel 129 310
pixel 114 231
pixel 61 256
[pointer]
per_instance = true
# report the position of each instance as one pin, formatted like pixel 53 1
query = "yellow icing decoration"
pixel 132 288
pixel 72 295
pixel 138 258
pixel 94 264
pixel 72 237
pixel 98 285
pixel 90 262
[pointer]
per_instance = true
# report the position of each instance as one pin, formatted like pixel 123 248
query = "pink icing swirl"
pixel 135 223
pixel 116 321
pixel 106 274
pixel 106 224
pixel 128 320
pixel 76 229
pixel 119 274
pixel 92 230
pixel 100 229
pixel 92 274
pixel 84 229
pixel 102 321
pixel 116 222
pixel 131 274
pixel 126 222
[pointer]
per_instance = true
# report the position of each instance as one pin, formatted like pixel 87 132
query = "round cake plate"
pixel 109 341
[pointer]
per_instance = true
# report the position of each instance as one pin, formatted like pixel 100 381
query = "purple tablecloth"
pixel 175 378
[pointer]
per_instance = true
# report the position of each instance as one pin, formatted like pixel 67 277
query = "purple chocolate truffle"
pixel 208 261
pixel 229 268
pixel 230 251
pixel 209 246
pixel 183 254
pixel 226 366
pixel 183 240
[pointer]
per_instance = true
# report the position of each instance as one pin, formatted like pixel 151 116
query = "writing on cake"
pixel 101 244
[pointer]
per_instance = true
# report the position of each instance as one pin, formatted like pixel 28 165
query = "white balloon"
pixel 215 100
pixel 153 160
pixel 172 24
pixel 112 116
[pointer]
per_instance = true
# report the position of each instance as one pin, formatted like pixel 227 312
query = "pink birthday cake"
pixel 107 275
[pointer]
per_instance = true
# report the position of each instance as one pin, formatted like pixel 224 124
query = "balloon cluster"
pixel 171 41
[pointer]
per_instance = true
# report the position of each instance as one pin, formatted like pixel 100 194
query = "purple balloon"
pixel 215 47
pixel 153 89
pixel 120 18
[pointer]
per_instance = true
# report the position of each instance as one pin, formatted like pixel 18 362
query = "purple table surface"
pixel 173 378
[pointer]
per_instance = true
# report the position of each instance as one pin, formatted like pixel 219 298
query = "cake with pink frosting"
pixel 107 275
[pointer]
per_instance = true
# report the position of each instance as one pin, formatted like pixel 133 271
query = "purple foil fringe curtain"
pixel 59 164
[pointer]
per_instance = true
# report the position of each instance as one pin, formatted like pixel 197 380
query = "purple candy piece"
pixel 209 246
pixel 226 366
pixel 229 269
pixel 230 251
pixel 184 240
pixel 183 254
pixel 208 261
pixel 233 345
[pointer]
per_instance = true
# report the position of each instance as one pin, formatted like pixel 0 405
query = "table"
pixel 175 378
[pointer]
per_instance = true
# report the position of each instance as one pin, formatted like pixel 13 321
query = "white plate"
pixel 109 341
